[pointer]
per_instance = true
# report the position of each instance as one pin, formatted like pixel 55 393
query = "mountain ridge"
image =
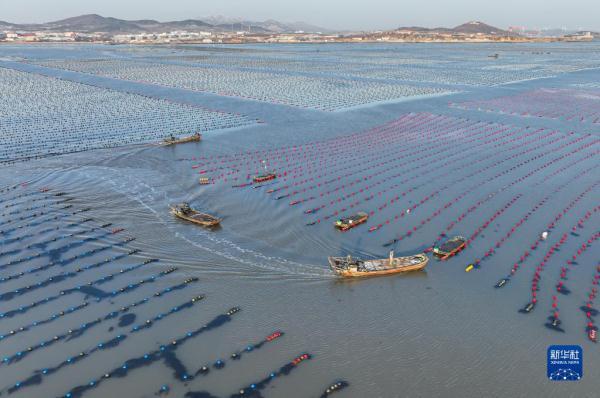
pixel 91 23
pixel 471 27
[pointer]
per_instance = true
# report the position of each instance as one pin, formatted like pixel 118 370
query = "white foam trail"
pixel 131 188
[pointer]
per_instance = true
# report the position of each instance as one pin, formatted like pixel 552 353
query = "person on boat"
pixel 185 208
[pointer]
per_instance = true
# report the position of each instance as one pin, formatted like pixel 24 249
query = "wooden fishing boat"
pixel 172 140
pixel 350 267
pixel 185 212
pixel 344 224
pixel 450 247
pixel 264 177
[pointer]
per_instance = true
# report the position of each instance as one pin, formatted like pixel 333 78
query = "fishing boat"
pixel 264 177
pixel 172 140
pixel 344 224
pixel 592 335
pixel 204 180
pixel 350 267
pixel 185 212
pixel 450 247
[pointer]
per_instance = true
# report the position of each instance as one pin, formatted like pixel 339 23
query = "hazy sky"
pixel 337 14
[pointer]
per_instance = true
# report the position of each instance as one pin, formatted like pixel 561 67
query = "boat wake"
pixel 241 261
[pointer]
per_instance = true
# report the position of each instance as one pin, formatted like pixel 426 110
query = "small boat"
pixel 344 224
pixel 528 308
pixel 264 177
pixel 501 283
pixel 450 247
pixel 185 212
pixel 172 140
pixel 350 267
pixel 592 335
pixel 337 386
pixel 204 180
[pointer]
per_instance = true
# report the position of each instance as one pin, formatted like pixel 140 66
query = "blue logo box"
pixel 565 362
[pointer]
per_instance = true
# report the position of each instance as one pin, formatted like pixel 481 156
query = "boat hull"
pixel 268 177
pixel 445 254
pixel 193 138
pixel 206 220
pixel 356 273
pixel 358 220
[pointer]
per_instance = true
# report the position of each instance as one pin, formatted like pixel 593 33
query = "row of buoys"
pixel 21 195
pixel 490 220
pixel 385 66
pixel 535 282
pixel 400 138
pixel 404 130
pixel 67 246
pixel 58 278
pixel 397 197
pixel 398 164
pixel 560 285
pixel 351 150
pixel 488 253
pixel 88 289
pixel 568 104
pixel 34 215
pixel 36 207
pixel 22 354
pixel 43 221
pixel 150 96
pixel 356 159
pixel 63 262
pixel 589 310
pixel 122 315
pixel 480 202
pixel 41 195
pixel 325 93
pixel 252 389
pixel 53 116
pixel 59 238
pixel 478 185
pixel 44 231
pixel 348 161
pixel 236 355
pixel 423 170
pixel 549 227
pixel 353 156
pixel 162 353
pixel 123 309
pixel 257 155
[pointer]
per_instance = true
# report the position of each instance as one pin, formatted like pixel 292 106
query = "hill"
pixel 96 23
pixel 469 28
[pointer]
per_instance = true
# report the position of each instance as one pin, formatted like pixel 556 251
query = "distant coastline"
pixel 94 28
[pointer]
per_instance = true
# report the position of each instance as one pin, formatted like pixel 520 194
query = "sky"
pixel 334 14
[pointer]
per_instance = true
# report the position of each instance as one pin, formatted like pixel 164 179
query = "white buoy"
pixel 407 211
pixel 544 235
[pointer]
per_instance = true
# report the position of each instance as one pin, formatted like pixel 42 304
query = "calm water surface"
pixel 438 333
